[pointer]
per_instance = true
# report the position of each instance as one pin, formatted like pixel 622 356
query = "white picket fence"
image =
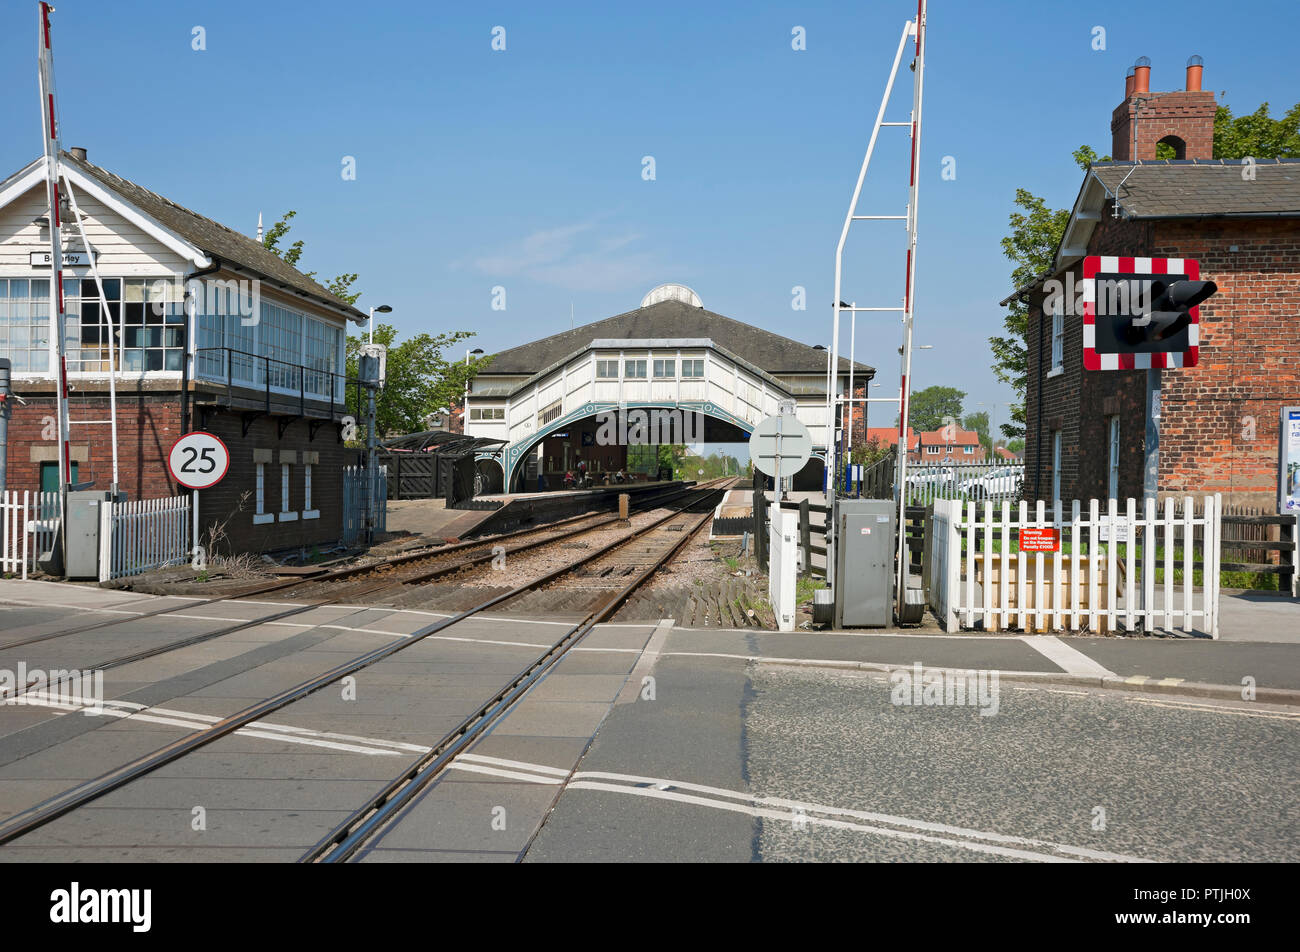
pixel 29 523
pixel 140 536
pixel 1093 581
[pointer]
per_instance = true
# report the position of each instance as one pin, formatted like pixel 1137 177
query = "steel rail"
pixel 343 842
pixel 69 800
pixel 299 609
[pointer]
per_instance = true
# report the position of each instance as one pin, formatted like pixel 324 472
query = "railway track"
pixel 349 583
pixel 343 842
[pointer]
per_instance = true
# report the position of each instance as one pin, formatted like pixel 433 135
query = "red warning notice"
pixel 1040 540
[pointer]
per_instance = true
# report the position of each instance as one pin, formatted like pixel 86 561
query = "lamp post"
pixel 372 471
pixel 381 309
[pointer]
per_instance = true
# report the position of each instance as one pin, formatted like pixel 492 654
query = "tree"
pixel 419 380
pixel 979 422
pixel 1257 134
pixel 1036 233
pixel 932 406
pixel 1017 445
pixel 871 451
pixel 340 286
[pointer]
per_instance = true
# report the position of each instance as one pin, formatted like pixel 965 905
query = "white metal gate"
pixel 29 524
pixel 140 536
pixel 980 576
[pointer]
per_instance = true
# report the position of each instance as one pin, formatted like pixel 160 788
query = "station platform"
pixel 430 518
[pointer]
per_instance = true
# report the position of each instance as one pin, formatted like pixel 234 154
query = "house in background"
pixel 1085 429
pixel 266 376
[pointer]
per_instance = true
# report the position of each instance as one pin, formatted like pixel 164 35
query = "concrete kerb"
pixel 1224 692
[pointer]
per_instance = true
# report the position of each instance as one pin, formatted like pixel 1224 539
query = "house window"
pixel 487 413
pixel 281 340
pixel 25 324
pixel 286 514
pixel 1112 482
pixel 968 450
pixel 153 324
pixel 321 358
pixel 260 515
pixel 693 368
pixel 308 511
pixel 634 369
pixel 1058 336
pixel 665 368
pixel 607 369
pixel 1056 464
pixel 934 450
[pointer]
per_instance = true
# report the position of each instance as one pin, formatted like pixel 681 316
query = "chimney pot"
pixel 1128 84
pixel 78 152
pixel 1195 67
pixel 1142 75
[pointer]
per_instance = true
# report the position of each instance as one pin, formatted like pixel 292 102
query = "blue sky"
pixel 522 168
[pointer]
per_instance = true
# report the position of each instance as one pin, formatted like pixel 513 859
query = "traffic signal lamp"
pixel 1164 311
pixel 1141 313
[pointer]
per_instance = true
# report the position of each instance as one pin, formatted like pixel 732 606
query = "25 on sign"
pixel 198 460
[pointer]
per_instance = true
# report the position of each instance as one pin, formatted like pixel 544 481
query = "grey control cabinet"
pixel 83 531
pixel 864 563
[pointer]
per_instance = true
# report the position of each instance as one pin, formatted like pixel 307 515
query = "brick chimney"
pixel 1184 118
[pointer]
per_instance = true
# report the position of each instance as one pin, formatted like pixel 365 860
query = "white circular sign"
pixel 198 460
pixel 784 435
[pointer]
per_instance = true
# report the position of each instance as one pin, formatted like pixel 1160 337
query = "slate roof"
pixel 213 237
pixel 674 320
pixel 1197 188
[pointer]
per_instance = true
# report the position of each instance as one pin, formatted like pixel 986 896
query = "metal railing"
pixel 279 378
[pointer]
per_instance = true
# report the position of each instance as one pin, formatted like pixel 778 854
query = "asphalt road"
pixel 851 776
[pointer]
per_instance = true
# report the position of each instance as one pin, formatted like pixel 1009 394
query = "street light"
pixel 381 309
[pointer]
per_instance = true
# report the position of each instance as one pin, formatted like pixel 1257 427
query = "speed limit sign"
pixel 198 460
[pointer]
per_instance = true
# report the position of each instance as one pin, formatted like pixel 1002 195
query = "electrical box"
pixel 82 559
pixel 864 562
pixel 373 365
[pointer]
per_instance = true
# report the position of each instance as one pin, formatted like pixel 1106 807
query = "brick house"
pixel 1085 432
pixel 948 444
pixel 187 350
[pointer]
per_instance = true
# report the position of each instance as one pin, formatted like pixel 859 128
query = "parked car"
pixel 1003 483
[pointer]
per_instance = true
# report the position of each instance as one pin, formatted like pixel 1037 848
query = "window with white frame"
pixel 487 413
pixel 607 369
pixel 153 324
pixel 260 515
pixel 1058 335
pixel 1112 480
pixel 1056 464
pixel 968 450
pixel 25 324
pixel 665 368
pixel 286 512
pixel 934 450
pixel 307 511
pixel 280 338
pixel 320 358
pixel 634 369
pixel 693 368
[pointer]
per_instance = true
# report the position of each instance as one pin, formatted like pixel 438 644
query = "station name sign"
pixel 71 259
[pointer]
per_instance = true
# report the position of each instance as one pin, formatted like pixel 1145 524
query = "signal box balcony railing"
pixel 280 384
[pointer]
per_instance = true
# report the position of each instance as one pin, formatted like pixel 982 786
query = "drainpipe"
pixel 6 397
pixel 1038 466
pixel 192 338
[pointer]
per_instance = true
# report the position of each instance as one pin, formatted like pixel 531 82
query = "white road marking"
pixel 1071 660
pixel 782 809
